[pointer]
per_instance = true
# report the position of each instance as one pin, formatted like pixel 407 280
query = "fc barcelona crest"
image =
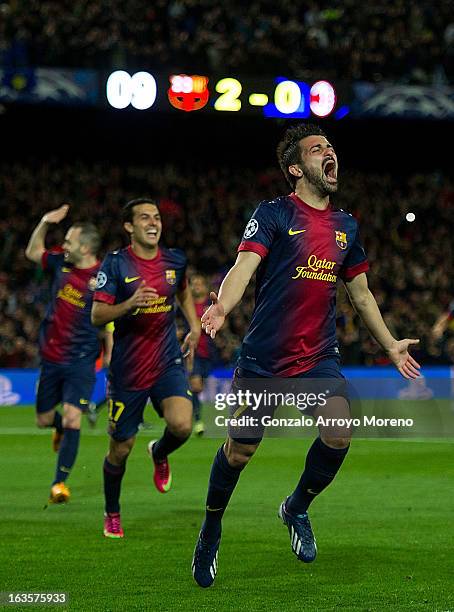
pixel 341 240
pixel 171 277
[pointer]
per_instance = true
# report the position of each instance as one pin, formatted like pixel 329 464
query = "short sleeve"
pixel 53 259
pixel 356 261
pixel 260 230
pixel 106 281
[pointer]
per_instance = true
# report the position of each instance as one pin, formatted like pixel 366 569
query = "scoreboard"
pixel 269 97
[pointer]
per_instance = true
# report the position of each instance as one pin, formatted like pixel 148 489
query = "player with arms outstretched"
pixel 138 288
pixel 69 343
pixel 300 246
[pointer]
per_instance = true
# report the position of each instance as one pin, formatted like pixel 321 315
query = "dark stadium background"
pixel 401 146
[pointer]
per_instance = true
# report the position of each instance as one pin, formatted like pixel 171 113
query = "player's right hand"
pixel 142 296
pixel 214 317
pixel 57 215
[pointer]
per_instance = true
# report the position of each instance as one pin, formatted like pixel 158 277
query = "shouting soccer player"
pixel 138 288
pixel 300 245
pixel 69 343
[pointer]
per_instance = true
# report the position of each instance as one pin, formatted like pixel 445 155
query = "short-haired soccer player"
pixel 68 341
pixel 138 288
pixel 300 245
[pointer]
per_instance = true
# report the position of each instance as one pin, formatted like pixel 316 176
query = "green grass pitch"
pixel 384 528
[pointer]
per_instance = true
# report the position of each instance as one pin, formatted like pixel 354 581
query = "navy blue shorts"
pixel 126 406
pixel 65 383
pixel 327 370
pixel 202 367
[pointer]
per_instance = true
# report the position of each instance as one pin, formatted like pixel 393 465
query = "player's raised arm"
pixel 102 313
pixel 366 306
pixel 231 291
pixel 36 244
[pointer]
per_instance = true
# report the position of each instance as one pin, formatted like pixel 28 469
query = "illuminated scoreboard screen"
pixel 278 97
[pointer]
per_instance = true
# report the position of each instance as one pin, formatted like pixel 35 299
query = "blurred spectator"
pixel 386 39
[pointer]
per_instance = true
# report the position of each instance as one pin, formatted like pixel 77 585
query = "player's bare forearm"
pixel 371 316
pixel 36 244
pixel 102 313
pixel 237 279
pixel 367 308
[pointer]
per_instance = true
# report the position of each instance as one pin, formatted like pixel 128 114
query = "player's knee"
pixel 71 421
pixel 337 442
pixel 119 451
pixel 239 455
pixel 196 384
pixel 44 419
pixel 181 429
pixel 118 455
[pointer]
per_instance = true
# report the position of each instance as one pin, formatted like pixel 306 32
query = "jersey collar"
pixel 142 259
pixel 310 209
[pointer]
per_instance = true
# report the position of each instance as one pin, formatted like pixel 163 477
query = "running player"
pixel 202 362
pixel 300 245
pixel 69 343
pixel 138 288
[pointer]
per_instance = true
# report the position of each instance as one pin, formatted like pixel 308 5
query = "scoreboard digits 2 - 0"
pixel 278 97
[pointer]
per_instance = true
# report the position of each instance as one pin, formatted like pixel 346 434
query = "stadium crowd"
pixel 392 39
pixel 204 212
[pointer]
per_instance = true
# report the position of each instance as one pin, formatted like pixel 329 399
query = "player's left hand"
pixel 188 348
pixel 401 358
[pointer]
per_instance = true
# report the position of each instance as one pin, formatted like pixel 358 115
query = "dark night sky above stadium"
pixel 398 144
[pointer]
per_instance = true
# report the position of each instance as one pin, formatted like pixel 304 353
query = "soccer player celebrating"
pixel 202 363
pixel 137 288
pixel 69 343
pixel 300 245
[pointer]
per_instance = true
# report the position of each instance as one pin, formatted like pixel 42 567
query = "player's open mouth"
pixel 330 171
pixel 152 233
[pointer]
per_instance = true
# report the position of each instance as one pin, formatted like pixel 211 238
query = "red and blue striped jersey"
pixel 66 333
pixel 304 252
pixel 145 340
pixel 203 347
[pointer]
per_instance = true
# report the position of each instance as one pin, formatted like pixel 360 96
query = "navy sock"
pixel 113 475
pixel 223 479
pixel 166 445
pixel 67 454
pixel 58 422
pixel 322 465
pixel 196 406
